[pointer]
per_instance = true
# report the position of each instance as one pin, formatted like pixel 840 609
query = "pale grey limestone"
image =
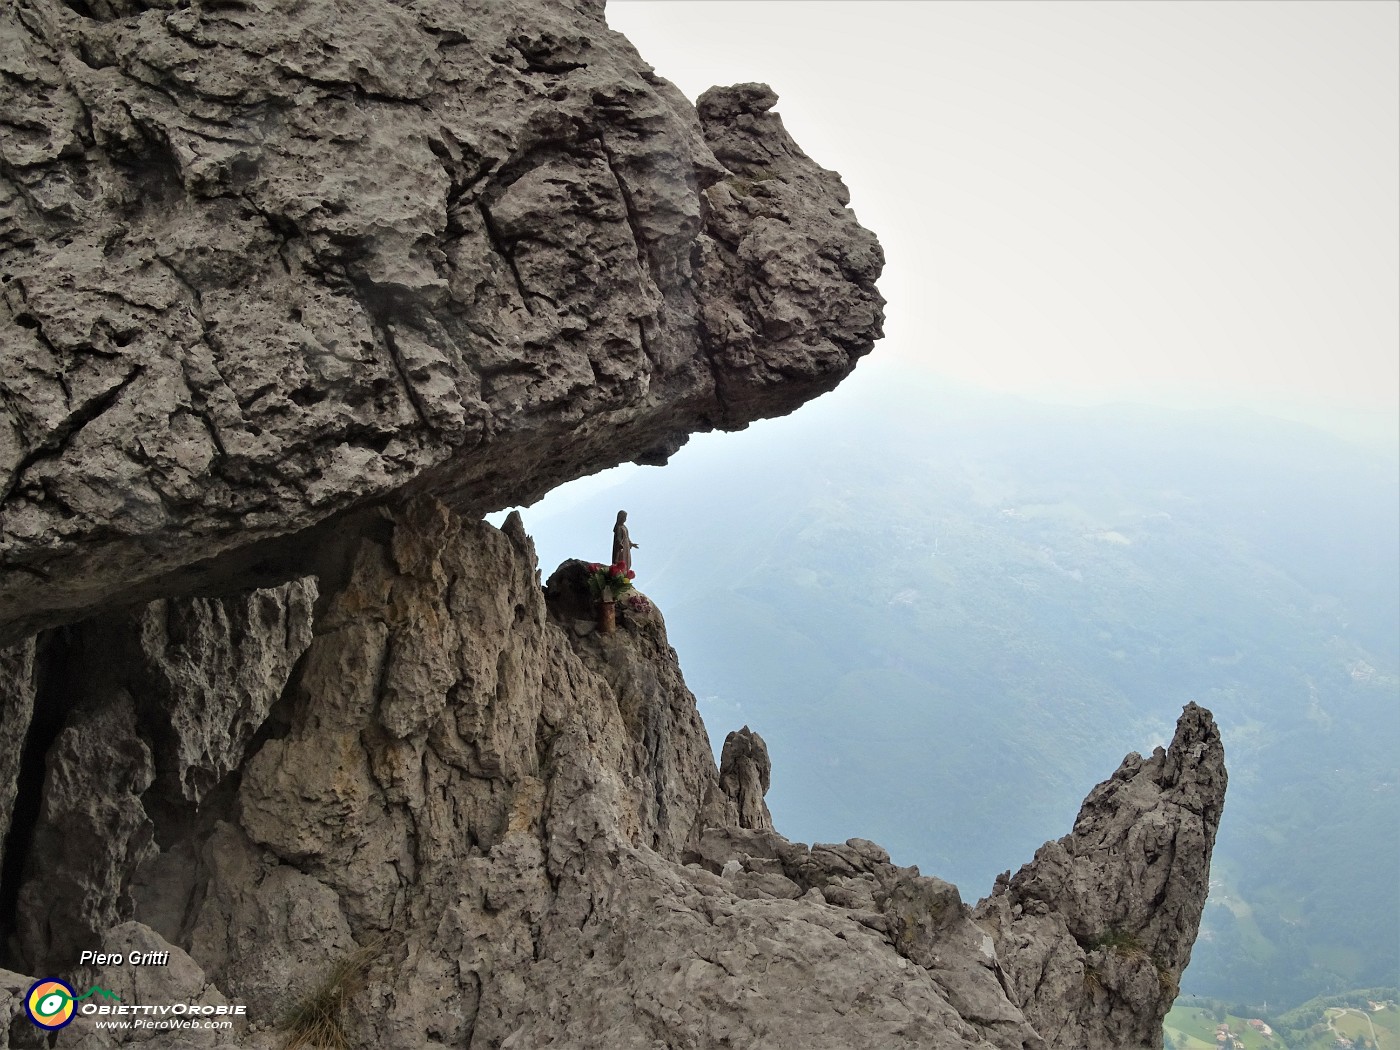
pixel 163 701
pixel 1094 933
pixel 210 671
pixel 744 775
pixel 178 980
pixel 528 827
pixel 92 833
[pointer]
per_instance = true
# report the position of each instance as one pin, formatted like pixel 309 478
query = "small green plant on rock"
pixel 1120 943
pixel 316 1021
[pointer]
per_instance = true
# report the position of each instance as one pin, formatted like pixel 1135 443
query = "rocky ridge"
pixel 1095 932
pixel 522 817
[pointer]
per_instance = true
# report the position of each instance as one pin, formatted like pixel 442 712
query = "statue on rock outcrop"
pixel 623 546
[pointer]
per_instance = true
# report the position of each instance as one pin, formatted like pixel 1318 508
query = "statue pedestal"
pixel 607 617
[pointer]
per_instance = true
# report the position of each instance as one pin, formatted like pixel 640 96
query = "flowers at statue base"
pixel 609 581
pixel 639 604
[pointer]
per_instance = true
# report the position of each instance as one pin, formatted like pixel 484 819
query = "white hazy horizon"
pixel 1192 205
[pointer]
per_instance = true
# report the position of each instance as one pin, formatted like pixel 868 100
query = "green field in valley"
pixel 1382 1027
pixel 1316 1026
pixel 1193 1028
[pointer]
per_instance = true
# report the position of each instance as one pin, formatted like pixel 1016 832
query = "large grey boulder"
pixel 178 979
pixel 263 263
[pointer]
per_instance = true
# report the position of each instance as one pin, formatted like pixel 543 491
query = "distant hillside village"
pixel 1227 1038
pixel 1350 1021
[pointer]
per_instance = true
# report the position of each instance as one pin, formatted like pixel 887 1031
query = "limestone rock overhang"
pixel 262 268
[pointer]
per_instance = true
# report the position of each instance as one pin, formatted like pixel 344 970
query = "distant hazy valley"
pixel 948 614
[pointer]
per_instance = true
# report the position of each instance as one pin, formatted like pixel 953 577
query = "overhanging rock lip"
pixel 640 292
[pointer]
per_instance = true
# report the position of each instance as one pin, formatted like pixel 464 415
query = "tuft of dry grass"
pixel 1121 943
pixel 1165 980
pixel 316 1021
pixel 1131 952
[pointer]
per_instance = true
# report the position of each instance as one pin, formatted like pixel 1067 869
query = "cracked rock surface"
pixel 262 263
pixel 1094 933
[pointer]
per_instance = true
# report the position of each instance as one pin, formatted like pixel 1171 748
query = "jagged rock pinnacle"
pixel 744 771
pixel 1094 933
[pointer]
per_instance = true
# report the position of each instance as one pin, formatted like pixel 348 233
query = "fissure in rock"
pixel 57 692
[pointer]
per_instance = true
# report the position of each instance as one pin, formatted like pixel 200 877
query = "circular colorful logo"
pixel 49 1003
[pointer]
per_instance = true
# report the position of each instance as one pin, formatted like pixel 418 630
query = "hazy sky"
pixel 1187 202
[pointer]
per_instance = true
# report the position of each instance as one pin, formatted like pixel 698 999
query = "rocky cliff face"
pixel 430 756
pixel 291 294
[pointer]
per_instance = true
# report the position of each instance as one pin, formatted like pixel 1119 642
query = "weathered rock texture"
pixel 521 818
pixel 149 712
pixel 1094 933
pixel 264 262
pixel 744 773
pixel 291 293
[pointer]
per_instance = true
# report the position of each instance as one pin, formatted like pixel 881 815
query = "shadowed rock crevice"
pixel 34 699
pixel 139 717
